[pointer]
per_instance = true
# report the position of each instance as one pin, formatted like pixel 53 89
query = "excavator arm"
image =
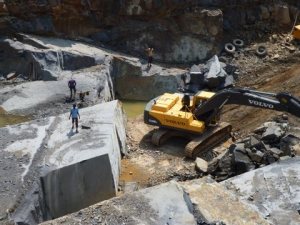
pixel 279 102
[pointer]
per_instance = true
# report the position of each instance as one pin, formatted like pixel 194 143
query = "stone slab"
pixel 163 204
pixel 273 191
pixel 212 202
pixel 78 186
pixel 200 201
pixel 37 148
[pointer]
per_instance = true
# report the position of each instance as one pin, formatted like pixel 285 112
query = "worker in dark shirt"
pixel 72 86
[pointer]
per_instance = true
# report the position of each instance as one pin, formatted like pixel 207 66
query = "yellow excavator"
pixel 196 116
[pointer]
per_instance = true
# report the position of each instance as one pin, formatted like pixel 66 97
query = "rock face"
pixel 26 55
pixel 180 31
pixel 110 74
pixel 132 81
pixel 63 171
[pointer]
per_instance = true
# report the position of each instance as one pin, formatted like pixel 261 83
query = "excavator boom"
pixel 279 102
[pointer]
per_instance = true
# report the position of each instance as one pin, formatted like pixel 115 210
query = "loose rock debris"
pixel 268 144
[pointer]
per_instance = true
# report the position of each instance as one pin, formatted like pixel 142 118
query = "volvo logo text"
pixel 175 122
pixel 262 104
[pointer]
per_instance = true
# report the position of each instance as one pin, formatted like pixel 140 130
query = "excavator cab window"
pixel 199 101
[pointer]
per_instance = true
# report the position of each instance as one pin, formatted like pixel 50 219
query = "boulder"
pixel 256 156
pixel 273 133
pixel 195 70
pixel 276 151
pixel 240 159
pixel 216 75
pixel 229 82
pixel 265 14
pixel 238 146
pixel 255 143
pixel 242 162
pixel 288 143
pixel 270 158
pixel 201 165
pixel 211 75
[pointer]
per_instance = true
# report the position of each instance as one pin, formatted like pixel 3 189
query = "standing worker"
pixel 74 112
pixel 72 86
pixel 150 55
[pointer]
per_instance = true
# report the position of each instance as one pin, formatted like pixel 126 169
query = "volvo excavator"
pixel 197 116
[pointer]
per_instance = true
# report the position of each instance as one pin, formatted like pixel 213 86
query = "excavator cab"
pixel 199 99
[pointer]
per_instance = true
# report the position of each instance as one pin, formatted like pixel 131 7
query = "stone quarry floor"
pixel 149 165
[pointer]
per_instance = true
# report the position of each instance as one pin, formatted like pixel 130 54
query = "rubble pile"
pixel 269 143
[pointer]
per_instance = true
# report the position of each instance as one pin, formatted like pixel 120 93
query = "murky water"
pixel 132 173
pixel 133 108
pixel 8 119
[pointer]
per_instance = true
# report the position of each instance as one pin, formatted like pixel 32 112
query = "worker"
pixel 150 55
pixel 74 112
pixel 72 86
